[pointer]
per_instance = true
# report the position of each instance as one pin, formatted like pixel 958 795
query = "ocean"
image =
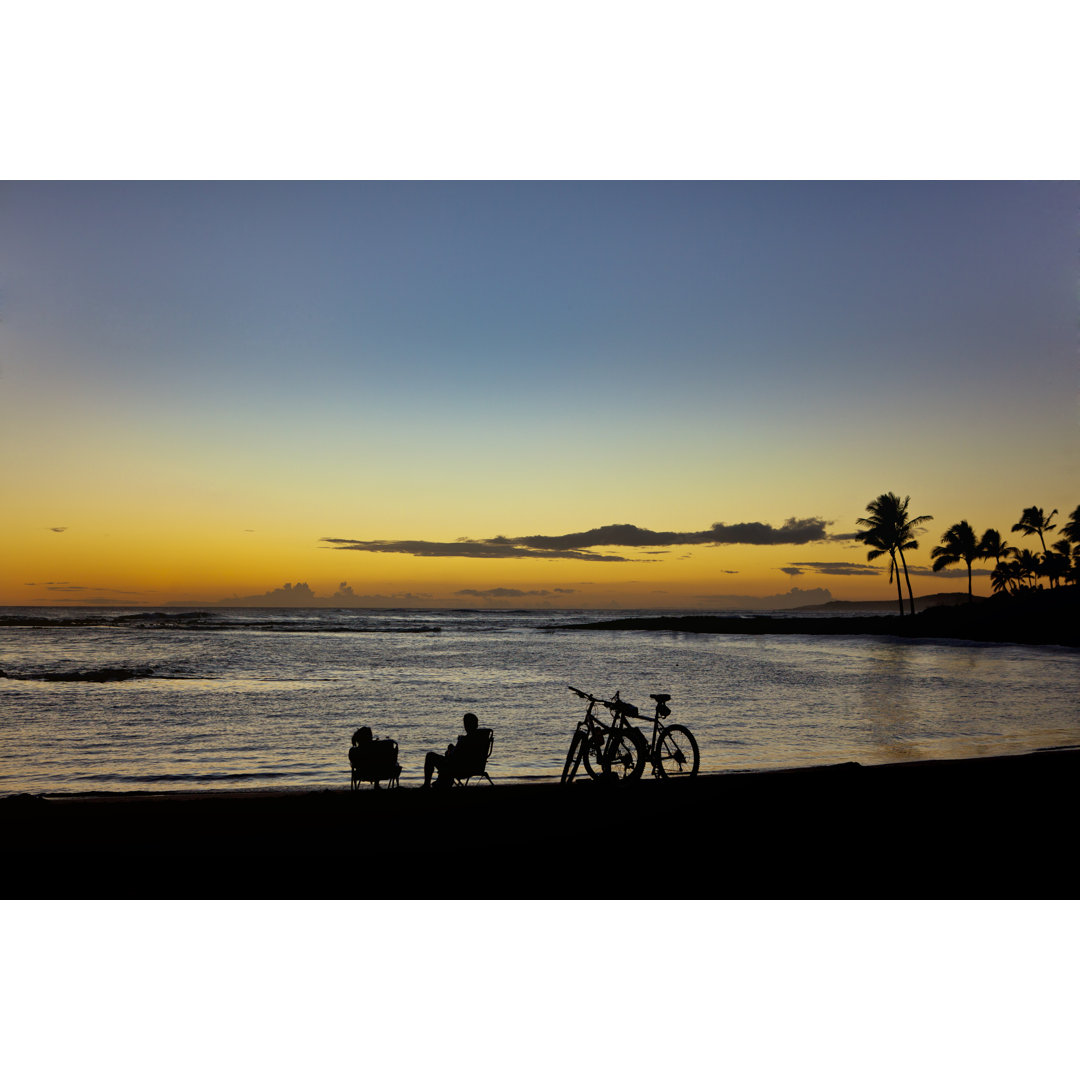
pixel 117 700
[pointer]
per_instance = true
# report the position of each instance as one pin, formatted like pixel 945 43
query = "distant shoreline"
pixel 1034 617
pixel 1049 617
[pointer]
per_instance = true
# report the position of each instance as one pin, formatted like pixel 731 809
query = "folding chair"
pixel 474 767
pixel 376 762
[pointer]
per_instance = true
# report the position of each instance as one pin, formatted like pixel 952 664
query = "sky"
pixel 560 394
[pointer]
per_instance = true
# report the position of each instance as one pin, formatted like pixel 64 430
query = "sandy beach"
pixel 981 827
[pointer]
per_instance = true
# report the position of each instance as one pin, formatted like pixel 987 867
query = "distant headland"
pixel 1038 617
pixel 922 603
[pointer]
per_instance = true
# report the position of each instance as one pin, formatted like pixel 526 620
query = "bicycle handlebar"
pixel 624 708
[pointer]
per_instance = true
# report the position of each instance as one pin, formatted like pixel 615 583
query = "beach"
pixel 979 827
pixel 216 767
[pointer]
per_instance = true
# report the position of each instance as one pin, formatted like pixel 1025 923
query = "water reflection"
pixel 243 703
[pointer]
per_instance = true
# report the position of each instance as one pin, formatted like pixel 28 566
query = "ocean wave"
pixel 209 622
pixel 211 777
pixel 167 618
pixel 101 675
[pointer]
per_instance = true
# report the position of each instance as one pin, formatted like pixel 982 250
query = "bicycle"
pixel 615 751
pixel 673 750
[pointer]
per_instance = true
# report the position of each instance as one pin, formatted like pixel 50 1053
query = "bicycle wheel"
pixel 625 755
pixel 573 757
pixel 677 755
pixel 595 741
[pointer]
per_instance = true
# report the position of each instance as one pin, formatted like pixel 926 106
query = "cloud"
pixel 501 594
pixel 579 545
pixel 795 597
pixel 833 569
pixel 302 595
pixel 950 572
pixel 67 586
pixel 499 548
pixel 57 528
pixel 850 569
pixel 793 531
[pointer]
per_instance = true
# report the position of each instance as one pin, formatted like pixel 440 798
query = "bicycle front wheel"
pixel 677 755
pixel 573 757
pixel 621 756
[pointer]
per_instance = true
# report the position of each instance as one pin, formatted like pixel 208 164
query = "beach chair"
pixel 374 763
pixel 474 767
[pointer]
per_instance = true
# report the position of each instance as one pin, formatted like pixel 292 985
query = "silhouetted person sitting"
pixel 462 759
pixel 361 746
pixel 372 759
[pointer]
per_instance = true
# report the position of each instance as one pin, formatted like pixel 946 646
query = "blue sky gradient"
pixel 425 361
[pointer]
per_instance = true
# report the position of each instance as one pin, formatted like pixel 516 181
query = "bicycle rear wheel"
pixel 573 757
pixel 677 755
pixel 621 756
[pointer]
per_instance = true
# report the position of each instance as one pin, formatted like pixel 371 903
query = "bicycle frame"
pixel 620 751
pixel 659 715
pixel 605 739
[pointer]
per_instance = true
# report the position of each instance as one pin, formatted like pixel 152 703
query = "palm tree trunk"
pixel 896 574
pixel 969 582
pixel 907 578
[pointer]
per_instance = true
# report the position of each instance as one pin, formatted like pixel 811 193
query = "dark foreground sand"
pixel 984 827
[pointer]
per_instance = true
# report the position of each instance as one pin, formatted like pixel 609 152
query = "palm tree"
pixel 1034 522
pixel 1005 577
pixel 1072 575
pixel 958 544
pixel 1070 568
pixel 888 529
pixel 991 546
pixel 1071 530
pixel 878 545
pixel 1027 567
pixel 1057 562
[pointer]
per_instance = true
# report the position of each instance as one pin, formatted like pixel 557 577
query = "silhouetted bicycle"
pixel 673 751
pixel 615 751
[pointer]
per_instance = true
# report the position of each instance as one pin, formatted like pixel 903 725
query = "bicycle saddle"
pixel 660 698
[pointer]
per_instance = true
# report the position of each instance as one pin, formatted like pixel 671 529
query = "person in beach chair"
pixel 463 760
pixel 373 760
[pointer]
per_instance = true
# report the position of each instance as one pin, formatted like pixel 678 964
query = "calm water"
pixel 262 699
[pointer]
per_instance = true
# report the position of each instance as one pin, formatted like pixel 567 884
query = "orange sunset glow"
pixel 376 394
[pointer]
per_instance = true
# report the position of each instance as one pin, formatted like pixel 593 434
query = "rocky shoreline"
pixel 1044 617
